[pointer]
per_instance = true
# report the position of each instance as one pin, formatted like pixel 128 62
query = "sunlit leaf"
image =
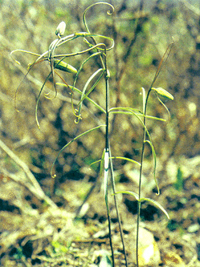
pixel 162 92
pixel 156 204
pixel 130 111
pixel 152 201
pixel 136 196
pixel 122 158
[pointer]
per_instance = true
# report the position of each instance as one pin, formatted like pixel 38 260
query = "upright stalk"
pixel 140 176
pixel 145 102
pixel 117 210
pixel 106 161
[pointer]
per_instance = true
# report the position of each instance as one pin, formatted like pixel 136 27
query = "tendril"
pixel 109 12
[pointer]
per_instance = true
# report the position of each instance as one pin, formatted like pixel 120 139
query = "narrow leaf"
pixel 156 204
pixel 38 99
pixel 84 95
pixel 122 158
pixel 154 164
pixel 164 107
pixel 136 196
pixel 126 111
pixel 79 91
pixel 74 139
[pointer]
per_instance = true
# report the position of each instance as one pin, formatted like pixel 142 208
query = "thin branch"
pixel 28 173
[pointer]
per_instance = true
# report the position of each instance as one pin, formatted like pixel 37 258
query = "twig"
pixel 29 175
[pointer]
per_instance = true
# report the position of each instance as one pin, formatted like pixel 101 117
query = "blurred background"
pixel 142 31
pixel 141 38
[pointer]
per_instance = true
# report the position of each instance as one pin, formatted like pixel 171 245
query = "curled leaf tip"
pixel 37 122
pixel 79 118
pixel 158 193
pixel 11 54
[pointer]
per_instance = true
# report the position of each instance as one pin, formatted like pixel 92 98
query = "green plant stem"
pixel 117 209
pixel 106 156
pixel 108 150
pixel 145 102
pixel 139 195
pixel 106 166
pixel 140 176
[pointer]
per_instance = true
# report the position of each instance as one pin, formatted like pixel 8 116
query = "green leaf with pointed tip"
pixel 82 65
pixel 38 99
pixel 154 164
pixel 129 193
pixel 123 158
pixel 130 111
pixel 84 94
pixel 162 92
pixel 164 106
pixel 136 115
pixel 156 204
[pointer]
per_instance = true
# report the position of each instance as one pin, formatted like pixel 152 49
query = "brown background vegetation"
pixel 142 31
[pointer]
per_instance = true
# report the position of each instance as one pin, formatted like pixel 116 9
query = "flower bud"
pixel 162 92
pixel 60 29
pixel 61 65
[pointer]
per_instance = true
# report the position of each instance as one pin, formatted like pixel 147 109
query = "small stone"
pixel 193 228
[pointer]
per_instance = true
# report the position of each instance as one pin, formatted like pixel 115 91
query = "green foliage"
pixel 59 248
pixel 19 253
pixel 93 49
pixel 172 226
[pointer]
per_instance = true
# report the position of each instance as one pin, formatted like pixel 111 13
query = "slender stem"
pixel 34 185
pixel 108 153
pixel 139 203
pixel 109 227
pixel 140 177
pixel 165 56
pixel 117 209
pixel 107 117
pixel 108 150
pixel 137 233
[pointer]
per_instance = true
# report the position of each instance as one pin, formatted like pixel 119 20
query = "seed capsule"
pixel 60 29
pixel 60 65
pixel 162 92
